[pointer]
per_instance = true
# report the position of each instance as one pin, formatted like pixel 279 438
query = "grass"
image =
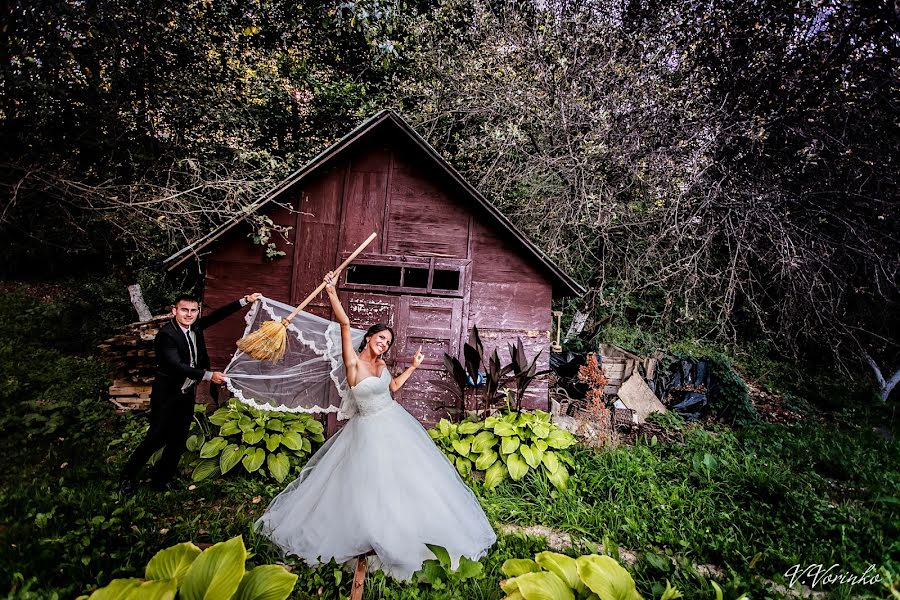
pixel 752 501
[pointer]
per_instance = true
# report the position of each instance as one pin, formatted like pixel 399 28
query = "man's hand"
pixel 217 377
pixel 330 279
pixel 251 298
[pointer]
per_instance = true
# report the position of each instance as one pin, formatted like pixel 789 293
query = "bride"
pixel 379 484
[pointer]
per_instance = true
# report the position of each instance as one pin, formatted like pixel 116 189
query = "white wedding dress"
pixel 379 484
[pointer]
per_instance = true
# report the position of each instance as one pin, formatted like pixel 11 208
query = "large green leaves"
pixel 513 567
pixel 172 563
pixel 266 582
pixel 543 586
pixel 216 573
pixel 213 447
pixel 253 459
pixel 518 468
pixel 279 465
pixel 564 567
pixel 230 457
pixel 496 473
pixel 606 578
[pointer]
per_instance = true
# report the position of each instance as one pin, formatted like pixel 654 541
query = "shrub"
pixel 237 433
pixel 217 573
pixel 506 444
pixel 561 577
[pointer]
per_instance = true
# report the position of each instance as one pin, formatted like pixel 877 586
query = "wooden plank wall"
pixel 388 189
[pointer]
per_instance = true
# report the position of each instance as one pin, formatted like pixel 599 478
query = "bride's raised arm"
pixel 348 352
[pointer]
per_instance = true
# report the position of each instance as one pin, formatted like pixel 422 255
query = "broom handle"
pixel 336 273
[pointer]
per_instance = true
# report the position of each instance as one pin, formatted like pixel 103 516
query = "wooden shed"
pixel 445 259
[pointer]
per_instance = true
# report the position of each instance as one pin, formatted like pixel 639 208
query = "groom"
pixel 182 361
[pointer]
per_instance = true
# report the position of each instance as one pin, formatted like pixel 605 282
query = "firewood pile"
pixel 132 358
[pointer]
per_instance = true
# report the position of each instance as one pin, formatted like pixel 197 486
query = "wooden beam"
pixel 359 577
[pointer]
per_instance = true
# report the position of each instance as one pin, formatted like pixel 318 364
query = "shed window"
pixel 411 275
pixel 445 279
pixel 380 275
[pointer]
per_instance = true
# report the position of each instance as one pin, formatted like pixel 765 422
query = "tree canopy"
pixel 726 169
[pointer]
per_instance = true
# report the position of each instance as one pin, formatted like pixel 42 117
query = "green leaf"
pixel 560 439
pixel 483 441
pixel 297 427
pixel 559 478
pixel 266 582
pixel 314 426
pixel 164 589
pixel 213 447
pixel 273 441
pixel 468 569
pixel 279 465
pixel 504 429
pixel 564 566
pixel 253 436
pixel 541 444
pixel 606 578
pixel 216 573
pixel 462 447
pixel 508 445
pixel 485 460
pixel 292 440
pixel 118 589
pixel 543 586
pixel 193 443
pixel 172 563
pixel 245 423
pixel 431 572
pixel 518 468
pixel 253 459
pixel 305 446
pixel 229 428
pixel 513 567
pixel 718 589
pixel 530 457
pixel 541 430
pixel 470 427
pixel 670 593
pixel 496 473
pixel 230 457
pixel 221 416
pixel 275 425
pixel 444 427
pixel 463 466
pixel 551 463
pixel 441 554
pixel 205 469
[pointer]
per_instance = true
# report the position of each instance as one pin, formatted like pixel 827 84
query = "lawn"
pixel 740 505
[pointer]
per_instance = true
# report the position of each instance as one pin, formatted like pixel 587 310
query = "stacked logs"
pixel 131 355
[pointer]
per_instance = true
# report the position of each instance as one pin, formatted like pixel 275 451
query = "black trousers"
pixel 170 422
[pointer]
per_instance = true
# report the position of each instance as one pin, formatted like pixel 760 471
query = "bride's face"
pixel 380 342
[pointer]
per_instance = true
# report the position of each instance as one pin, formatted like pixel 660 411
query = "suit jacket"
pixel 173 357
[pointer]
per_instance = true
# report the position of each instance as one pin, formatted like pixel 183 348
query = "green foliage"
pixel 669 420
pixel 272 444
pixel 217 573
pixel 506 445
pixel 438 572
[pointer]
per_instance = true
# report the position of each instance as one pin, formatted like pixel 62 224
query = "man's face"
pixel 186 312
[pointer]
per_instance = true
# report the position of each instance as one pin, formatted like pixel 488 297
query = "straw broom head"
pixel 267 342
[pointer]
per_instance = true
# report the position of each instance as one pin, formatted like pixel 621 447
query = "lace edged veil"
pixel 310 378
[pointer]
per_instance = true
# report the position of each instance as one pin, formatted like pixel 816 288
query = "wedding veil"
pixel 310 378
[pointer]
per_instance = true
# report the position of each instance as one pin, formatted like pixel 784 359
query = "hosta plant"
pixel 552 576
pixel 187 573
pixel 269 443
pixel 508 444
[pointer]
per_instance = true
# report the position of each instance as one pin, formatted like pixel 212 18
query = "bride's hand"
pixel 418 358
pixel 330 279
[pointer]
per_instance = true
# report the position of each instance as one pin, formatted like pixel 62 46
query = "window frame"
pixel 431 263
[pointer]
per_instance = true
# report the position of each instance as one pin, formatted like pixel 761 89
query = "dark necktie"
pixel 191 348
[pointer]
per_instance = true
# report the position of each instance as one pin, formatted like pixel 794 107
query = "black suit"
pixel 171 407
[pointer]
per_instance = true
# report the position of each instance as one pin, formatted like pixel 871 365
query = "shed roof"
pixel 564 285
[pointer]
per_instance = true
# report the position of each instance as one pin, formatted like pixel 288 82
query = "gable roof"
pixel 562 281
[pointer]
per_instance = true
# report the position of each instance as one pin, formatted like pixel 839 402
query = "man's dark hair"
pixel 186 298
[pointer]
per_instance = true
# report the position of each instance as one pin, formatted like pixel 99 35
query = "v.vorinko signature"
pixel 818 575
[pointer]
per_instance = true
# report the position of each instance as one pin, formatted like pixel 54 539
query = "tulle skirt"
pixel 379 484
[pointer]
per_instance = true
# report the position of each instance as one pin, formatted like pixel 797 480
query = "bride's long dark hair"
pixel 376 328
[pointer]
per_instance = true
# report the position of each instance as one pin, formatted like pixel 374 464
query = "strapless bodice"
pixel 372 394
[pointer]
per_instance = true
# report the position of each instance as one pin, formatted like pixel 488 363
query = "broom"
pixel 268 342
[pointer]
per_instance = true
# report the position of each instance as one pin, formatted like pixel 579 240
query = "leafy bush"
pixel 561 577
pixel 506 444
pixel 217 573
pixel 439 572
pixel 237 433
pixel 484 386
